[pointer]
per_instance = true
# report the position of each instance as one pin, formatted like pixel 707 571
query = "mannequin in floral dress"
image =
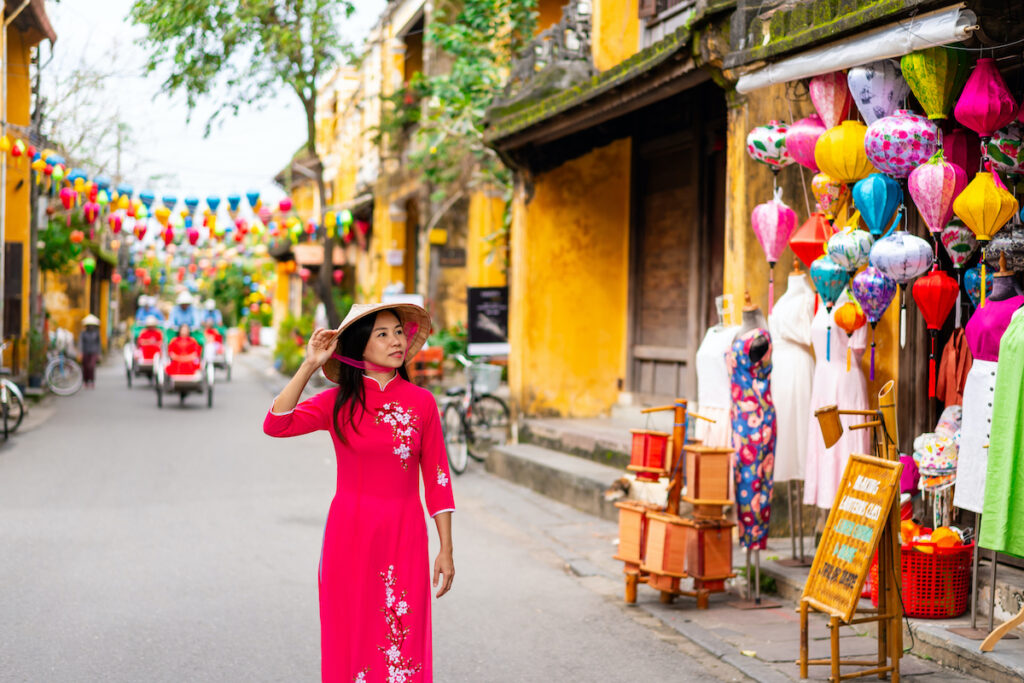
pixel 374 572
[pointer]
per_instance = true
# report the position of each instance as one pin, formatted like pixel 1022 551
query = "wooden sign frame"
pixel 867 492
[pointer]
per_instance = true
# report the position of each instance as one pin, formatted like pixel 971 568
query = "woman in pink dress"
pixel 374 573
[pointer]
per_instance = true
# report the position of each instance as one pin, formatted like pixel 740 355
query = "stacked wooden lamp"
pixel 656 545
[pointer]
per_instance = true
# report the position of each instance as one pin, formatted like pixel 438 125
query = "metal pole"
pixel 974 572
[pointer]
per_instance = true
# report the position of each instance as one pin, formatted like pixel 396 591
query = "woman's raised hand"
pixel 321 346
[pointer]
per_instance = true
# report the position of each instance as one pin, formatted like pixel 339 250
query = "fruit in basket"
pixel 909 529
pixel 944 537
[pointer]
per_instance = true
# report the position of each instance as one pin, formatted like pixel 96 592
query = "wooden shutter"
pixel 648 8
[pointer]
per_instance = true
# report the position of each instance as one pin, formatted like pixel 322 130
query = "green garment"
pixel 1002 519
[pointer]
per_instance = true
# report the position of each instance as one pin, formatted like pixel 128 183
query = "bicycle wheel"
pixel 64 377
pixel 14 412
pixel 489 424
pixel 5 396
pixel 455 438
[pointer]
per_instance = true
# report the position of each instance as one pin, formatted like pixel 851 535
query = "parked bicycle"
pixel 475 420
pixel 12 402
pixel 63 375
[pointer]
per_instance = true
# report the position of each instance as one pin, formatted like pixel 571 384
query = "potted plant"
pixel 36 358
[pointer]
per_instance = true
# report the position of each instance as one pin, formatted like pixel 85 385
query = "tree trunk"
pixel 325 282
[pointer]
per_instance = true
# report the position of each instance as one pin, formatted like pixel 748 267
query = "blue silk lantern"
pixel 253 197
pixel 169 201
pixel 191 203
pixel 147 198
pixel 102 182
pixel 233 201
pixel 877 197
pixel 212 203
pixel 125 190
pixel 830 279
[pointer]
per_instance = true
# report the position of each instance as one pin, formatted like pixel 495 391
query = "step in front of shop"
pixel 597 439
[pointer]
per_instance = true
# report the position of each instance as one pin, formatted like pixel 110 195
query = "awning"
pixel 313 254
pixel 950 25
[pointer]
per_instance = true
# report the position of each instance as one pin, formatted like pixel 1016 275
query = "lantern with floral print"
pixel 840 153
pixel 960 245
pixel 767 144
pixel 877 197
pixel 850 318
pixel 809 241
pixel 933 186
pixel 899 143
pixel 935 294
pixel 802 137
pixel 874 291
pixel 902 257
pixel 1005 150
pixel 877 89
pixel 829 193
pixel 935 76
pixel 831 97
pixel 830 279
pixel 773 223
pixel 986 104
pixel 985 206
pixel 850 248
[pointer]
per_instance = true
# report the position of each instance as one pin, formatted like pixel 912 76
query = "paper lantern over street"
pixel 76 236
pixel 850 318
pixel 986 104
pixel 899 143
pixel 935 76
pixel 935 294
pixel 874 291
pixel 253 197
pixel 831 97
pixel 140 230
pixel 115 278
pixel 985 207
pixel 1005 150
pixel 345 217
pixel 877 89
pixel 57 173
pixel 18 149
pixel 829 193
pixel 338 275
pixel 973 283
pixel 840 153
pixel 285 205
pixel 162 213
pixel 933 186
pixel 147 199
pixel 116 222
pixel 67 197
pixel 850 249
pixel 91 211
pixel 191 203
pixel 877 197
pixel 902 257
pixel 233 201
pixel 88 265
pixel 767 144
pixel 193 236
pixel 213 203
pixel 808 242
pixel 125 191
pixel 829 279
pixel 169 200
pixel 802 137
pixel 773 223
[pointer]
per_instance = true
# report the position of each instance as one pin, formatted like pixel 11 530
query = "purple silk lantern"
pixel 773 223
pixel 802 137
pixel 899 143
pixel 986 104
pixel 874 291
pixel 877 88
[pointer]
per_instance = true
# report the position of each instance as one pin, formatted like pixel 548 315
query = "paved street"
pixel 182 544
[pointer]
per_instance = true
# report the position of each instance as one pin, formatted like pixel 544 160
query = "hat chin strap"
pixel 361 364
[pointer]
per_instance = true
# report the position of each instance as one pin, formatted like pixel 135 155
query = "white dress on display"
pixel 792 374
pixel 713 388
pixel 833 385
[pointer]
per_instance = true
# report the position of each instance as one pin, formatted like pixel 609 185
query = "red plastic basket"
pixel 935 585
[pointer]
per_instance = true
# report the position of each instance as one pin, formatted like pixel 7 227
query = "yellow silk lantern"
pixel 840 153
pixel 123 202
pixel 162 214
pixel 985 207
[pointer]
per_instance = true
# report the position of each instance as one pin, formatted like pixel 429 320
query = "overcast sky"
pixel 243 153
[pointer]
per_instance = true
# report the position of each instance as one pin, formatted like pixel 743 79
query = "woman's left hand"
pixel 444 565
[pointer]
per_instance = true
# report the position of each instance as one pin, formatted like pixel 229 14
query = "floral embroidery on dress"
pixel 361 676
pixel 442 478
pixel 403 423
pixel 400 669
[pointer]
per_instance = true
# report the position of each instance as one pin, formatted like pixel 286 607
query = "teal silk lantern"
pixel 829 279
pixel 877 197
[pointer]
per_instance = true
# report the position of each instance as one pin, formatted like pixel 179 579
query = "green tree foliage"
pixel 236 52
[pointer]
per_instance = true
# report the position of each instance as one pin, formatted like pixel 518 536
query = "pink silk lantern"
pixel 962 148
pixel 986 104
pixel 773 224
pixel 933 186
pixel 193 236
pixel 831 96
pixel 802 137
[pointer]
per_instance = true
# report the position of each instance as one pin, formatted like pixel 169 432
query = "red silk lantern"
pixel 115 221
pixel 91 211
pixel 986 104
pixel 935 295
pixel 77 236
pixel 963 148
pixel 808 242
pixel 181 274
pixel 140 230
pixel 193 236
pixel 116 278
pixel 168 235
pixel 285 205
pixel 147 280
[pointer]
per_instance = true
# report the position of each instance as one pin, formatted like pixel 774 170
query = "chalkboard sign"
pixel 488 321
pixel 859 513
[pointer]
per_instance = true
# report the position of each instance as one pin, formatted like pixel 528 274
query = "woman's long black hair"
pixel 351 394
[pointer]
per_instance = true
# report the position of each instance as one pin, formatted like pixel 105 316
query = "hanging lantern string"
pixel 872 352
pixel 803 171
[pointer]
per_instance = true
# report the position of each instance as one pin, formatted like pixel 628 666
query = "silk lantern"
pixel 140 230
pixel 831 97
pixel 935 294
pixel 253 197
pixel 801 138
pixel 212 203
pixel 91 211
pixel 935 76
pixel 147 198
pixel 808 242
pixel 1005 150
pixel 850 318
pixel 850 248
pixel 877 89
pixel 829 193
pixel 88 265
pixel 285 205
pixel 874 291
pixel 877 197
pixel 773 223
pixel 116 222
pixel 840 153
pixel 973 283
pixel 960 244
pixel 986 104
pixel 767 144
pixel 985 207
pixel 76 236
pixel 902 257
pixel 193 236
pixel 934 186
pixel 233 201
pixel 901 142
pixel 829 280
pixel 963 148
pixel 168 235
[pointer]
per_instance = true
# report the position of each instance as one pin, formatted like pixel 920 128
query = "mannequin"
pixel 713 379
pixel 793 372
pixel 753 425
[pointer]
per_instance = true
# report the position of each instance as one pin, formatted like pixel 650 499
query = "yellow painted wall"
pixel 569 285
pixel 485 262
pixel 616 32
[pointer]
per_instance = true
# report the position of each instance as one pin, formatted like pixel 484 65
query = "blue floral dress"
pixel 753 427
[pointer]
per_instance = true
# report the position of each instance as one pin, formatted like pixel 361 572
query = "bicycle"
pixel 12 402
pixel 63 375
pixel 475 419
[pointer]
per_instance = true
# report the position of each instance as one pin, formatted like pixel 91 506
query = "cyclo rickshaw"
pixel 140 358
pixel 193 374
pixel 221 354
